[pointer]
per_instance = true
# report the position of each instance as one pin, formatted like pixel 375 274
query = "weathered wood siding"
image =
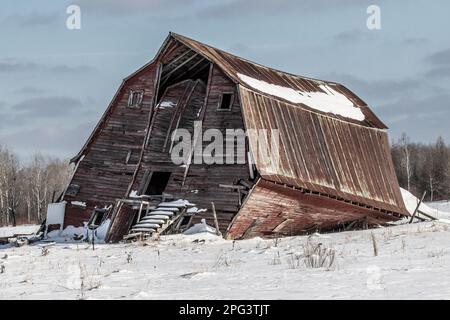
pixel 202 181
pixel 103 174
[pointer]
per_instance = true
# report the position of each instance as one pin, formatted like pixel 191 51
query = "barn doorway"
pixel 158 183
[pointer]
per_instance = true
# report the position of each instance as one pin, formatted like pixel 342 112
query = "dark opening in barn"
pixel 158 183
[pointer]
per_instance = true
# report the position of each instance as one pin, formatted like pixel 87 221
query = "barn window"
pixel 97 217
pixel 226 101
pixel 135 98
pixel 72 190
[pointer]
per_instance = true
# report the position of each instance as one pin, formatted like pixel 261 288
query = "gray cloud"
pixel 32 19
pixel 377 89
pixel 422 119
pixel 132 6
pixel 71 69
pixel 52 140
pixel 13 67
pixel 438 73
pixel 439 58
pixel 46 107
pixel 352 36
pixel 29 90
pixel 247 7
pixel 415 41
pixel 18 67
pixel 203 9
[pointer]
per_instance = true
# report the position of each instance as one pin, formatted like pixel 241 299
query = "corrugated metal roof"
pixel 234 65
pixel 324 154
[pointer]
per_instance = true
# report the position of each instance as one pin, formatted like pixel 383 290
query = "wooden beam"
pixel 167 76
pixel 201 118
pixel 216 223
pixel 417 208
pixel 192 67
pixel 181 106
pixel 427 215
pixel 176 59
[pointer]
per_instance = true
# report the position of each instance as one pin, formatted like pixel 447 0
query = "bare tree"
pixel 9 185
pixel 406 159
pixel 26 190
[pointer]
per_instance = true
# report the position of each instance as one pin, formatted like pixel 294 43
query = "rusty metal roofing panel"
pixel 324 154
pixel 233 65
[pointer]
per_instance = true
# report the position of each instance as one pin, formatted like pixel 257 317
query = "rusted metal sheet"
pixel 232 65
pixel 275 210
pixel 324 154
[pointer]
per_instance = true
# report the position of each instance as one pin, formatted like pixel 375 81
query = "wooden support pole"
pixel 427 215
pixel 417 208
pixel 216 223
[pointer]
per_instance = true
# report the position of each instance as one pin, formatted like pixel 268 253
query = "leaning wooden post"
pixel 216 223
pixel 417 208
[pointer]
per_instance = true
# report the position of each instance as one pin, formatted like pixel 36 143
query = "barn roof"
pixel 326 97
pixel 341 153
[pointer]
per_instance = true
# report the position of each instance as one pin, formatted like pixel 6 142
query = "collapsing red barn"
pixel 333 169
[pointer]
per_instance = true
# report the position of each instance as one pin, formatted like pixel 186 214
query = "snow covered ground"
pixel 440 206
pixel 23 229
pixel 412 263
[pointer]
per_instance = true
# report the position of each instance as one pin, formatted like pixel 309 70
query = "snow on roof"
pixel 329 101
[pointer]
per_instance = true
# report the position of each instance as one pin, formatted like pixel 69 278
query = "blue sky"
pixel 55 83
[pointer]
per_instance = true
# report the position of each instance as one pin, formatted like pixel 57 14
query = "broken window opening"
pixel 226 101
pixel 72 190
pixel 97 217
pixel 135 98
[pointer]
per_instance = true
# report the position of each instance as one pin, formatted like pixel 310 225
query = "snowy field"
pixel 411 263
pixel 24 229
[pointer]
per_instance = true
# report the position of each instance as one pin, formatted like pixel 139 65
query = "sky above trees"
pixel 55 82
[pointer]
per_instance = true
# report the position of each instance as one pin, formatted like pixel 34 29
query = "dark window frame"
pixel 132 103
pixel 230 105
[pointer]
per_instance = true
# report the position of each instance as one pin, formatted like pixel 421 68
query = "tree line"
pixel 26 189
pixel 423 167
